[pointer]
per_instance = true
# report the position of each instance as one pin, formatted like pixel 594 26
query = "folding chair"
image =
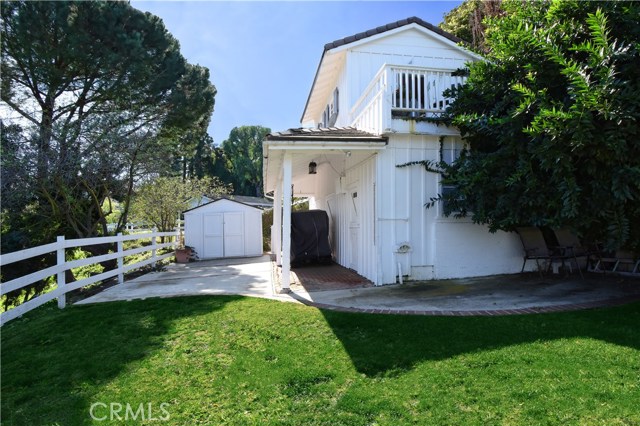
pixel 621 257
pixel 535 247
pixel 571 247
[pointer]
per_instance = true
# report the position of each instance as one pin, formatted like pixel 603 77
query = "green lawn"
pixel 234 360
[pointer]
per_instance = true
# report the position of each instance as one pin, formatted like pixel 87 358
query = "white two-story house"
pixel 363 118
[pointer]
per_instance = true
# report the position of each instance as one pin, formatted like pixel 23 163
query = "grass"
pixel 233 360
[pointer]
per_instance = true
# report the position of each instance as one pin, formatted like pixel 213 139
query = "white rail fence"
pixel 60 247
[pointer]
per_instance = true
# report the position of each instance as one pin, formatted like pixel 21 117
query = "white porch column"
pixel 277 223
pixel 286 222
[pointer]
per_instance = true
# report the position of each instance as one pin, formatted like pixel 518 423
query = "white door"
pixel 213 230
pixel 353 206
pixel 233 234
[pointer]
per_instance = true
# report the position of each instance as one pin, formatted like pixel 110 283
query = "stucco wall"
pixel 465 249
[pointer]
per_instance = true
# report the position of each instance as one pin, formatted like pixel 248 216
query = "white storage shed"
pixel 224 228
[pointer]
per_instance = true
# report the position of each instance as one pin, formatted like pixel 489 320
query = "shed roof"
pixel 221 199
pixel 252 201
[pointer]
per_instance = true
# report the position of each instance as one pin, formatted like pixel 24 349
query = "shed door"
pixel 213 226
pixel 233 234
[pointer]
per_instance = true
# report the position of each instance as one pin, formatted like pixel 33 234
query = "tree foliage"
pixel 243 150
pixel 466 21
pixel 552 121
pixel 161 201
pixel 102 93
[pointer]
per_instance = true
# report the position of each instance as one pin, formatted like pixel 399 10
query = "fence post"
pixel 62 299
pixel 120 259
pixel 176 241
pixel 153 246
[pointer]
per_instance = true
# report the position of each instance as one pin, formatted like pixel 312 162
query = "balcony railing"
pixel 399 91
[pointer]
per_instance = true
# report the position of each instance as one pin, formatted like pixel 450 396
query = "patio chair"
pixel 570 246
pixel 535 247
pixel 621 257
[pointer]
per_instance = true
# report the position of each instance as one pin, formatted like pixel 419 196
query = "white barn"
pixel 224 228
pixel 363 118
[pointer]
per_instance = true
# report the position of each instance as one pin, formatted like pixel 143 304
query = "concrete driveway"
pixel 243 276
pixel 496 295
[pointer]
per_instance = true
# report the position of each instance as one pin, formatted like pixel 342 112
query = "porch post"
pixel 277 223
pixel 286 222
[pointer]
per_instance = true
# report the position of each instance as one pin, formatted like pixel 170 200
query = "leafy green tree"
pixel 243 150
pixel 552 122
pixel 161 201
pixel 102 91
pixel 18 201
pixel 466 21
pixel 191 153
pixel 219 165
pixel 208 160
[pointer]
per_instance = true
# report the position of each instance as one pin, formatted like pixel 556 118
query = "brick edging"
pixel 494 312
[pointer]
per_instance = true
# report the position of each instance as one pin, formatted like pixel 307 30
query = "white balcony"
pixel 400 93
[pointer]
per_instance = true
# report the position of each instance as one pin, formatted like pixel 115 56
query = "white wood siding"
pixel 402 216
pixel 391 212
pixel 343 105
pixel 349 236
pixel 392 200
pixel 441 247
pixel 410 47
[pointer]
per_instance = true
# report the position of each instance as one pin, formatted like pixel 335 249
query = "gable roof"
pixel 220 199
pixel 389 27
pixel 252 201
pixel 370 33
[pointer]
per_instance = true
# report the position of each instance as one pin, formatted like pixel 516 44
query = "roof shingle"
pixel 388 27
pixel 326 134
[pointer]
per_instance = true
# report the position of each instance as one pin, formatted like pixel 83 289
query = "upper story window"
pixel 330 114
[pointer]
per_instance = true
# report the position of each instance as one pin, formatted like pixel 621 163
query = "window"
pixel 450 150
pixel 330 114
pixel 325 117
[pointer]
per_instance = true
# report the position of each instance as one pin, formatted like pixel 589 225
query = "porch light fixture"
pixel 312 168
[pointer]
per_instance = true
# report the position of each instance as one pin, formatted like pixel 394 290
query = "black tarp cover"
pixel 310 237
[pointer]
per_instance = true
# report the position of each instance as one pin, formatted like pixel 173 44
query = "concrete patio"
pixel 243 276
pixel 495 295
pixel 335 287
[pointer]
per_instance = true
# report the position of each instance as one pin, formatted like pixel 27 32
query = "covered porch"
pixel 320 164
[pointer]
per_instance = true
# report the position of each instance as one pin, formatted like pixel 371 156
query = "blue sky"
pixel 263 55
